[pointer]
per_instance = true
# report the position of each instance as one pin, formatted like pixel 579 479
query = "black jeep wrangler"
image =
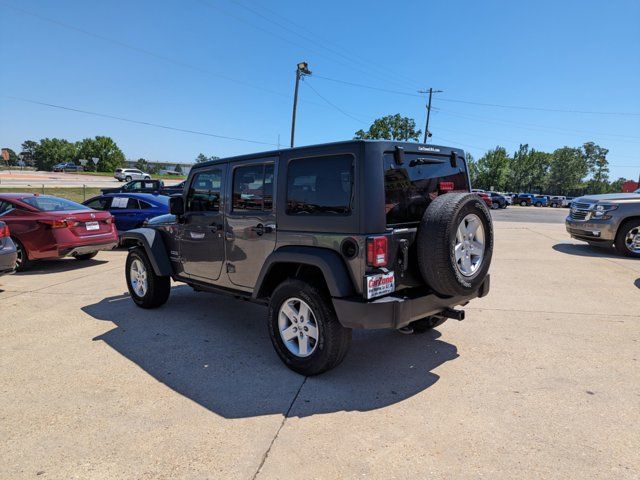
pixel 357 234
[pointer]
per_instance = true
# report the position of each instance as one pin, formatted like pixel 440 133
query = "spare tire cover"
pixel 454 244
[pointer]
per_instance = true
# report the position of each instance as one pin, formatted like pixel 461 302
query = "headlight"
pixel 601 209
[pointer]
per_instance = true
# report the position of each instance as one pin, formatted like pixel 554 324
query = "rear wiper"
pixel 424 161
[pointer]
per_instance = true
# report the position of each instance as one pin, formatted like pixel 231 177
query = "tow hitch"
pixel 452 313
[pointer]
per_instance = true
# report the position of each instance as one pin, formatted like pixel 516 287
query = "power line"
pixel 138 122
pixel 308 83
pixel 529 126
pixel 518 107
pixel 349 58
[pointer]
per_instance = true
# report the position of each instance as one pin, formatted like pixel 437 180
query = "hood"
pixel 608 197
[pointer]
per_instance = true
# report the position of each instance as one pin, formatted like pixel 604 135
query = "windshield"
pixel 52 204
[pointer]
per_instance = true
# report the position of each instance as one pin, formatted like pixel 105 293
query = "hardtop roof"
pixel 272 153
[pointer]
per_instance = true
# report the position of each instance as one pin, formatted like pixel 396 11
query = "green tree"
pixel 178 168
pixel 202 158
pixel 105 149
pixel 493 169
pixel 567 170
pixel 28 152
pixel 142 164
pixel 596 158
pixel 616 186
pixel 51 151
pixel 528 170
pixel 472 167
pixel 391 127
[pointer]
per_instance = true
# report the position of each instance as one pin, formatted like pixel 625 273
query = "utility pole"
pixel 427 134
pixel 301 70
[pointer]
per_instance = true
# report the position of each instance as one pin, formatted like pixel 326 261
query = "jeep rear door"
pixel 251 220
pixel 202 236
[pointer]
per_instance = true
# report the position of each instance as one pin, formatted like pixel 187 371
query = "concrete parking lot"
pixel 542 379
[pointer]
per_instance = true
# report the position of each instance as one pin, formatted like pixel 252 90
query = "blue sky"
pixel 217 66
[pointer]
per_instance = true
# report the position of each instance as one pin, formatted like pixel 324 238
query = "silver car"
pixel 128 174
pixel 605 220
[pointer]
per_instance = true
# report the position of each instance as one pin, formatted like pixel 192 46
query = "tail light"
pixel 108 220
pixel 446 186
pixel 4 231
pixel 377 251
pixel 59 223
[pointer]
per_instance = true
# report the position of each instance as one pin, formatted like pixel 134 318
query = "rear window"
pixel 320 185
pixel 52 204
pixel 409 188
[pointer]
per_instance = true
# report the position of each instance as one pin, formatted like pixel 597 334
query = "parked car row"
pixel 493 200
pixel 531 199
pixel 36 227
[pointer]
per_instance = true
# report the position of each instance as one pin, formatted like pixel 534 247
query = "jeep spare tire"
pixel 455 243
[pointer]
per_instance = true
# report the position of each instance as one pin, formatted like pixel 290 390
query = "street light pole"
pixel 427 134
pixel 301 70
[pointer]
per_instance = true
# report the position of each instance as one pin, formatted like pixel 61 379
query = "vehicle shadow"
pixel 637 283
pixel 216 351
pixel 585 250
pixel 57 266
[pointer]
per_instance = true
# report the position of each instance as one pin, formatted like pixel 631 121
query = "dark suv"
pixel 357 234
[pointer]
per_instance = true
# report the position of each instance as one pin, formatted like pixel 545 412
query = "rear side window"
pixel 204 193
pixel 320 185
pixel 124 203
pixel 144 205
pixel 5 207
pixel 253 188
pixel 409 188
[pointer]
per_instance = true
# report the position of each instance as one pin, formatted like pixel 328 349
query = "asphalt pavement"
pixel 540 381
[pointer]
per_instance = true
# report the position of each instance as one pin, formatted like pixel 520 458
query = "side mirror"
pixel 176 205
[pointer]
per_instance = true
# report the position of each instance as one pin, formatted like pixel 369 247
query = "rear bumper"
pixel 8 256
pixel 399 309
pixel 84 249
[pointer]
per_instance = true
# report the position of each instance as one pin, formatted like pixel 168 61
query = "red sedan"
pixel 486 198
pixel 44 226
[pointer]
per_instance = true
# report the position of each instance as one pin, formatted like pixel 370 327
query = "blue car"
pixel 130 210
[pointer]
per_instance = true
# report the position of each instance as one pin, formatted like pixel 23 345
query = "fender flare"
pixel 151 240
pixel 328 261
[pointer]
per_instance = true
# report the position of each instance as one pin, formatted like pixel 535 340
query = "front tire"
pixel 127 179
pixel 523 204
pixel 22 261
pixel 304 328
pixel 627 240
pixel 147 289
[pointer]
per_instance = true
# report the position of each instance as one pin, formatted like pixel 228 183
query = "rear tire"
pixel 455 244
pixel 297 311
pixel 495 205
pixel 22 261
pixel 85 256
pixel 523 204
pixel 147 289
pixel 624 242
pixel 127 179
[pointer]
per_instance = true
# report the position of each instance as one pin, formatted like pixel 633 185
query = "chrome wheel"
pixel 19 255
pixel 138 278
pixel 470 242
pixel 298 327
pixel 632 240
